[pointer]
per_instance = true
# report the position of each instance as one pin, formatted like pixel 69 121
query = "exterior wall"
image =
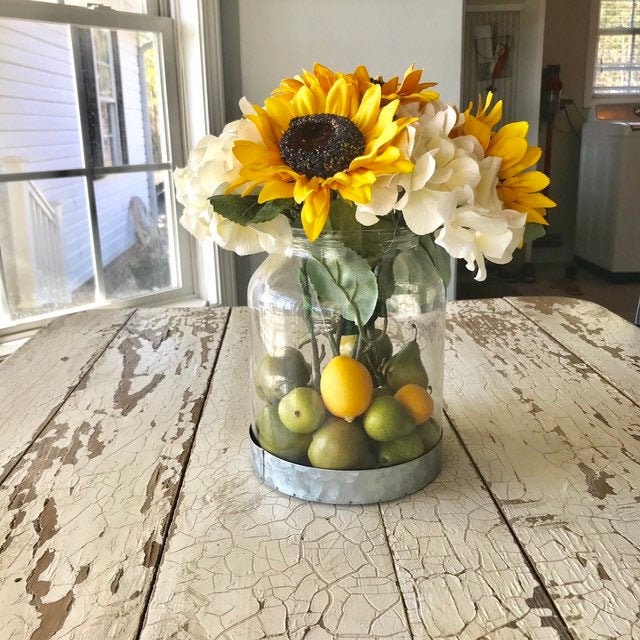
pixel 39 124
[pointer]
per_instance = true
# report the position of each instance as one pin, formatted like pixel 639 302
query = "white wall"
pixel 530 65
pixel 268 40
pixel 278 37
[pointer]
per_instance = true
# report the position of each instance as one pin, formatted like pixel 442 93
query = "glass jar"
pixel 346 354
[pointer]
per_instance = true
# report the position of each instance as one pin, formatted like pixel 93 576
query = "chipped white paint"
pixel 560 449
pixel 605 341
pixel 461 572
pixel 245 562
pixel 85 510
pixel 35 381
pixel 85 514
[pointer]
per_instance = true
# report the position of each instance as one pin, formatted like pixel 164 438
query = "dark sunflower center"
pixel 320 145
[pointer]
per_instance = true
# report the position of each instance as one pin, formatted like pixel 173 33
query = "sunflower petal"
pixel 274 190
pixel 303 188
pixel 279 111
pixel 536 215
pixel 367 115
pixel 535 201
pixel 529 159
pixel 304 102
pixel 511 150
pixel 511 130
pixel 530 181
pixel 337 101
pixel 315 212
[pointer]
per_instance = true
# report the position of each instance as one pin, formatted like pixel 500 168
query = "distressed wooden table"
pixel 129 508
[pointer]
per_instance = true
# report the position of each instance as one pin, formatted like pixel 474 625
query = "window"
pixel 88 143
pixel 615 36
pixel 110 130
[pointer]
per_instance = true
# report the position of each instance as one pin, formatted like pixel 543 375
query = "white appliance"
pixel 608 214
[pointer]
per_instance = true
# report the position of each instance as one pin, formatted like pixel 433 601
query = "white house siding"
pixel 38 107
pixel 39 124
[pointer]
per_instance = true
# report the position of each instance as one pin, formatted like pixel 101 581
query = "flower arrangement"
pixel 347 342
pixel 331 150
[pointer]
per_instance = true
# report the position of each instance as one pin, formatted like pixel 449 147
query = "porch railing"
pixel 33 257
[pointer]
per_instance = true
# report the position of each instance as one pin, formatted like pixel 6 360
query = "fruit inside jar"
pixel 347 422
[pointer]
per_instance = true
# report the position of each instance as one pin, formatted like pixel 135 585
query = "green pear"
pixel 276 376
pixel 302 410
pixel 381 343
pixel 386 419
pixel 341 445
pixel 275 438
pixel 405 367
pixel 400 450
pixel 429 432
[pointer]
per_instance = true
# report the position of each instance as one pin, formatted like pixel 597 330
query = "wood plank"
pixel 38 377
pixel 607 342
pixel 85 511
pixel 461 572
pixel 560 450
pixel 244 562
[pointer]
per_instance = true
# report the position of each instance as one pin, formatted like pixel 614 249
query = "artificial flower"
pixel 445 173
pixel 518 188
pixel 384 148
pixel 210 168
pixel 319 142
pixel 410 90
pixel 473 235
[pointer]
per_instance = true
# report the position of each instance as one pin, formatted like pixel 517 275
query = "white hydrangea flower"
pixel 210 168
pixel 451 192
pixel 444 175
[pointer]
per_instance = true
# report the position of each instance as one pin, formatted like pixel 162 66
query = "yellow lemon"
pixel 416 400
pixel 346 388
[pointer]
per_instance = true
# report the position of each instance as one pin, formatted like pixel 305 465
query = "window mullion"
pixel 100 291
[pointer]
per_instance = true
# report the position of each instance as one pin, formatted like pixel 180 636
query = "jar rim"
pixel 398 234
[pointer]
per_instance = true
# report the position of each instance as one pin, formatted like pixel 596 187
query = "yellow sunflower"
pixel 321 75
pixel 409 90
pixel 517 188
pixel 321 138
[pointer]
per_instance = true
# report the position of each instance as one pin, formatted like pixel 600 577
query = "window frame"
pixel 185 254
pixel 592 49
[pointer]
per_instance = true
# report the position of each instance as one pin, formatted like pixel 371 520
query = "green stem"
pixel 306 296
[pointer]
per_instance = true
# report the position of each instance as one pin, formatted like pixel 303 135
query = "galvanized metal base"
pixel 345 487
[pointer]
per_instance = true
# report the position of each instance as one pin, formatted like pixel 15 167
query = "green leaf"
pixel 532 231
pixel 269 210
pixel 343 215
pixel 439 257
pixel 245 209
pixel 346 280
pixel 386 280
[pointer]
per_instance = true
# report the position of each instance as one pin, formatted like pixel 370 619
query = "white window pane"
pixel 39 126
pixel 135 215
pixel 615 13
pixel 151 96
pixel 45 241
pixel 614 49
pixel 142 97
pixel 611 79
